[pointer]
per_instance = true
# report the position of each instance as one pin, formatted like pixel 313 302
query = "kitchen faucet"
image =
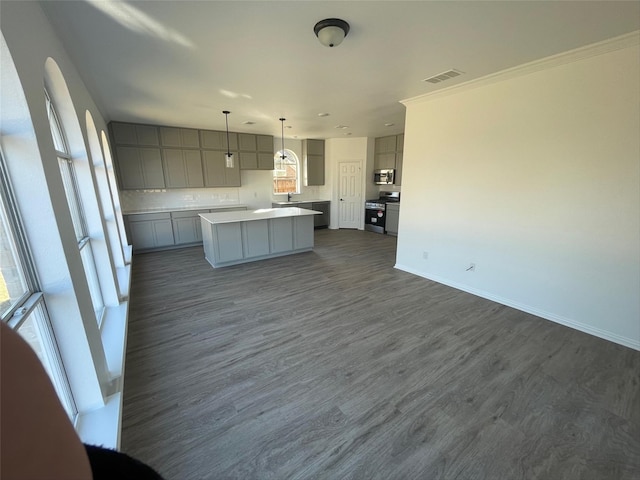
pixel 288 196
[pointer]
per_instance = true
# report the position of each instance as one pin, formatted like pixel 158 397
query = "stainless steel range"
pixel 375 211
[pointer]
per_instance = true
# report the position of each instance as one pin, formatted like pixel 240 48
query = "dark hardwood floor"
pixel 333 365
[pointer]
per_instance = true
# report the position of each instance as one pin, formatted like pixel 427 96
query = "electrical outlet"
pixel 425 255
pixel 472 267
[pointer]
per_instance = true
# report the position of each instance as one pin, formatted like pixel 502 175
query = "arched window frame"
pixel 283 177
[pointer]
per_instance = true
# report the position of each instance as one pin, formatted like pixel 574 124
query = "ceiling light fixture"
pixel 228 157
pixel 323 114
pixel 283 156
pixel 331 31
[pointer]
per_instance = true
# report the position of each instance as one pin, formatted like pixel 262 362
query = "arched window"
pixel 286 172
pixel 75 207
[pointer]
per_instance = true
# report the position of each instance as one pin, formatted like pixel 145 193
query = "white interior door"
pixel 350 204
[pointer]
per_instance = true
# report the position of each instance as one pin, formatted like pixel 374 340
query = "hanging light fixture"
pixel 228 157
pixel 283 156
pixel 331 31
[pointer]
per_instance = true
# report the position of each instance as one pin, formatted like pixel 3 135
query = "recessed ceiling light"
pixel 288 126
pixel 389 124
pixel 342 126
pixel 323 114
pixel 347 133
pixel 248 122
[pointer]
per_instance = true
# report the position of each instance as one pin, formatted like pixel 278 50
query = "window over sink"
pixel 286 172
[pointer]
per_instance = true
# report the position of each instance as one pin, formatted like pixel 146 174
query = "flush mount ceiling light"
pixel 228 157
pixel 331 31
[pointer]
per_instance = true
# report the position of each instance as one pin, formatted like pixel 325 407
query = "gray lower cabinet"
pixel 321 221
pixel 151 230
pixel 393 215
pixel 280 234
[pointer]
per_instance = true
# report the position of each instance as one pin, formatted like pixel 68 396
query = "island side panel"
pixel 281 234
pixel 227 242
pixel 302 233
pixel 255 238
pixel 207 241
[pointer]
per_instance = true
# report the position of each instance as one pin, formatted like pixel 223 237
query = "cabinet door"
pixel 174 171
pixel 398 177
pixel 302 232
pixel 247 142
pixel 187 230
pixel 179 137
pixel 393 215
pixel 321 220
pixel 227 242
pixel 213 166
pixel 315 169
pixel 141 235
pixel 265 144
pixel 216 174
pixel 151 162
pixel 315 147
pixel 255 238
pixel 147 135
pixel 129 168
pixel 163 233
pixel 265 161
pixel 212 139
pixel 385 160
pixel 248 160
pixel 400 143
pixel 124 133
pixel 193 168
pixel 386 144
pixel 280 234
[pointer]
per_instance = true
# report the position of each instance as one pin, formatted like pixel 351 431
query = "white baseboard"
pixel 597 332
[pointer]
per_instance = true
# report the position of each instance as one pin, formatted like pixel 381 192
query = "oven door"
pixel 374 220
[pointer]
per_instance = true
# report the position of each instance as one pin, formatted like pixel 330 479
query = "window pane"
pixel 92 279
pixel 37 333
pixel 13 283
pixel 66 169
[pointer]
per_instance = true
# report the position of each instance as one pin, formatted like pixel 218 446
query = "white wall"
pixel 535 179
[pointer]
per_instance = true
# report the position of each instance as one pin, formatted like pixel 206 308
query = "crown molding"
pixel 592 50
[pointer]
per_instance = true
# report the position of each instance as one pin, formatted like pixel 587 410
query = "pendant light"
pixel 228 157
pixel 283 156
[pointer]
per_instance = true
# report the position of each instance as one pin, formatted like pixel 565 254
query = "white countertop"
pixel 183 209
pixel 260 214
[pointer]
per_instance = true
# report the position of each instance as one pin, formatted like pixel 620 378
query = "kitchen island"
pixel 231 238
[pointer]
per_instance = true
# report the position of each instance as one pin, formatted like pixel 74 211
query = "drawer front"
pixel 144 217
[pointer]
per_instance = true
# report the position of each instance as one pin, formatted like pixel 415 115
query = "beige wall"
pixel 536 180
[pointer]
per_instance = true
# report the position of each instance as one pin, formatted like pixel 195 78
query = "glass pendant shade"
pixel 228 160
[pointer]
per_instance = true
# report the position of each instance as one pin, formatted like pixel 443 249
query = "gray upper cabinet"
pixel 256 151
pixel 132 134
pixel 247 142
pixel 140 167
pixel 182 168
pixel 215 140
pixel 386 144
pixel 216 174
pixel 388 153
pixel 313 154
pixel 265 143
pixel 179 137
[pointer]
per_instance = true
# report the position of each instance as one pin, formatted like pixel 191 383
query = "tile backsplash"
pixel 133 200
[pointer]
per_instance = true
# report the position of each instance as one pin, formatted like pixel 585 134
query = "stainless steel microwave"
pixel 383 177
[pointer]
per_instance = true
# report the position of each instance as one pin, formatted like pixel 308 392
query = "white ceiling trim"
pixel 599 48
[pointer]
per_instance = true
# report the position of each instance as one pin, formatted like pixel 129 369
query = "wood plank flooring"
pixel 333 365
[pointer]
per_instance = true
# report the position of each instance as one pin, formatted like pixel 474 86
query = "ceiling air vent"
pixel 441 77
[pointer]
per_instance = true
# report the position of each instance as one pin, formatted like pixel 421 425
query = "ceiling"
pixel 181 63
